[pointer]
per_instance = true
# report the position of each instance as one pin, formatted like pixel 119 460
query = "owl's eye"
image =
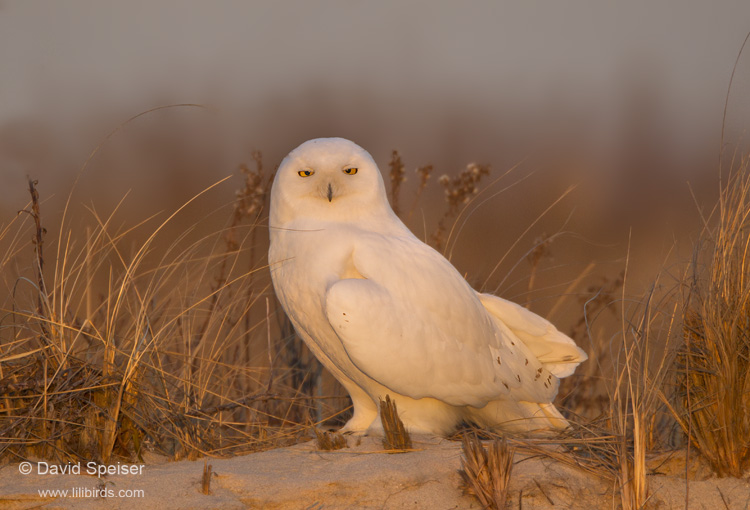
pixel 305 173
pixel 350 171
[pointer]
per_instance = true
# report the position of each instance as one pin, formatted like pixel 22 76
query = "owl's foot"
pixel 360 422
pixel 355 433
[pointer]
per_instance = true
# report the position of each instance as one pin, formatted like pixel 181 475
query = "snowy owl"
pixel 389 315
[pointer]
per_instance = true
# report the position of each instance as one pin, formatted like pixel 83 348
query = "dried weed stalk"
pixel 458 190
pixel 424 173
pixel 397 175
pixel 396 437
pixel 206 478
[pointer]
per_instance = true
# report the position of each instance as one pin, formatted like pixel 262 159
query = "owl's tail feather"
pixel 519 416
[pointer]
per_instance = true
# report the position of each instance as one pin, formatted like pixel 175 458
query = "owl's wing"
pixel 409 320
pixel 558 353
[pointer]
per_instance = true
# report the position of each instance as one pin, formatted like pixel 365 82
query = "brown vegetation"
pixel 395 435
pixel 486 474
pixel 714 362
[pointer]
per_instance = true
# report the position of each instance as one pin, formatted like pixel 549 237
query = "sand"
pixel 362 476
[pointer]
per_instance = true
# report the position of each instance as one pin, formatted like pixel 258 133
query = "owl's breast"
pixel 304 262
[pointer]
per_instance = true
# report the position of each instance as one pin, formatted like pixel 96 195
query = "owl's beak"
pixel 329 194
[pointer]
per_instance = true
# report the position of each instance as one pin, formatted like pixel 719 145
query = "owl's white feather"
pixel 387 314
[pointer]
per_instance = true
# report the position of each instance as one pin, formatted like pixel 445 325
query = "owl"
pixel 387 314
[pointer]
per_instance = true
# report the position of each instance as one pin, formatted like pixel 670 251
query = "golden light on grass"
pixel 125 339
pixel 714 363
pixel 486 473
pixel 639 389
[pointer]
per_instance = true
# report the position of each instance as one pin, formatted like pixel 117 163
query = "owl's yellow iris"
pixel 350 171
pixel 305 173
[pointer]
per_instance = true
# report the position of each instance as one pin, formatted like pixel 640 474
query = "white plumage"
pixel 387 314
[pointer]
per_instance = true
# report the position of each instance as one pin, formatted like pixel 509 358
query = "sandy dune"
pixel 362 476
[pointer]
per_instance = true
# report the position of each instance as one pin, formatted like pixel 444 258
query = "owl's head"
pixel 329 179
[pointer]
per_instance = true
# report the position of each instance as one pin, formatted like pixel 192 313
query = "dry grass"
pixel 395 435
pixel 637 414
pixel 684 358
pixel 486 474
pixel 713 407
pixel 326 440
pixel 122 340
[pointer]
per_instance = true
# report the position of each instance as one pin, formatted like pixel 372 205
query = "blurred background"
pixel 623 100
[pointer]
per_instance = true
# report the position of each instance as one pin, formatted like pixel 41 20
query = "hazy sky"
pixel 416 75
pixel 470 52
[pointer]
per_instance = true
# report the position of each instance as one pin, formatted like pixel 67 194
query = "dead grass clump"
pixel 54 411
pixel 326 440
pixel 486 474
pixel 124 340
pixel 714 363
pixel 396 437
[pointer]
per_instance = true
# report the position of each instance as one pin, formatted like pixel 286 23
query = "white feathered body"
pixel 389 315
